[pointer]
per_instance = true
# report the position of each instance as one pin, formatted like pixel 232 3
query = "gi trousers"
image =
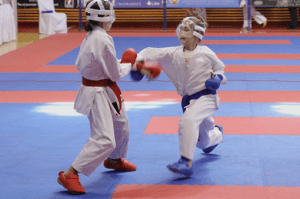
pixel 257 16
pixel 196 126
pixel 109 136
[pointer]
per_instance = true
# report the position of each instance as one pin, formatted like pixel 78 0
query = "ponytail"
pixel 89 25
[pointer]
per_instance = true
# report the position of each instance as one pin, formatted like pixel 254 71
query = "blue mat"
pixel 41 151
pixel 72 81
pixel 148 86
pixel 38 140
pixel 163 76
pixel 140 43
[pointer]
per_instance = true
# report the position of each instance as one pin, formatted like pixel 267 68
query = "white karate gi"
pixel 196 122
pixel 109 131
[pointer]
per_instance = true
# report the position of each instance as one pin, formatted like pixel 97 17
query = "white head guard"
pixel 190 28
pixel 93 13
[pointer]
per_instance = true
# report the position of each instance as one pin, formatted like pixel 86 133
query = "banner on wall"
pixel 137 3
pixel 57 3
pixel 276 3
pixel 75 3
pixel 203 3
pixel 170 3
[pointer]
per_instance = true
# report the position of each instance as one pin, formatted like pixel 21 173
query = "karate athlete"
pixel 197 73
pixel 100 99
pixel 257 16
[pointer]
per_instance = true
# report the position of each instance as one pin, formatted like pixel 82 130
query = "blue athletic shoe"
pixel 211 148
pixel 181 167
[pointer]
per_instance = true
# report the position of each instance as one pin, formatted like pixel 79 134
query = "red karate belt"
pixel 104 83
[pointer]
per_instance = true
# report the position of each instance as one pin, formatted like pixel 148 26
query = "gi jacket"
pixel 187 79
pixel 96 61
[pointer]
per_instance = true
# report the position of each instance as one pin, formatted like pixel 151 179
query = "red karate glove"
pixel 129 56
pixel 149 68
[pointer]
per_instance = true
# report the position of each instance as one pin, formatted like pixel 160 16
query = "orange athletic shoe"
pixel 120 165
pixel 71 183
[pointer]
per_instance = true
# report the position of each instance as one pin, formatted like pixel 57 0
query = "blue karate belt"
pixel 187 98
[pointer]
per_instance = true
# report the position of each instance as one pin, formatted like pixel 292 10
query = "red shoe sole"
pixel 70 191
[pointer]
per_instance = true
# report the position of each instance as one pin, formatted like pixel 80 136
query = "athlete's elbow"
pixel 115 78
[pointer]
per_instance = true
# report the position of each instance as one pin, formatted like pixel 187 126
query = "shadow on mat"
pixel 100 189
pixel 201 169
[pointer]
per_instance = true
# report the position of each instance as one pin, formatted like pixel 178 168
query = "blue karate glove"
pixel 214 82
pixel 136 75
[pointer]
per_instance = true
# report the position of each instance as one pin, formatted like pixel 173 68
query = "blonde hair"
pixel 190 12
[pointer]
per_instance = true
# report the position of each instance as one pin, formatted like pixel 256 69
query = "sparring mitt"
pixel 129 56
pixel 214 82
pixel 136 75
pixel 149 68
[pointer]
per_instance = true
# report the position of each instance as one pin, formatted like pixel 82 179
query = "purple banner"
pixel 75 3
pixel 57 3
pixel 146 3
pixel 276 3
pixel 203 3
pixel 137 3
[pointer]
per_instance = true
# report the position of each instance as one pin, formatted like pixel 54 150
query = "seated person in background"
pixel 294 19
pixel 6 2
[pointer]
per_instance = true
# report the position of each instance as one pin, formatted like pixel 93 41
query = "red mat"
pixel 31 57
pixel 257 56
pixel 262 69
pixel 37 96
pixel 203 191
pixel 148 96
pixel 57 69
pixel 208 34
pixel 229 68
pixel 226 96
pixel 233 125
pixel 245 42
pixel 36 55
pixel 230 32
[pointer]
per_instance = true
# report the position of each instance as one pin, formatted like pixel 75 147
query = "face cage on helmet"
pixel 94 13
pixel 195 27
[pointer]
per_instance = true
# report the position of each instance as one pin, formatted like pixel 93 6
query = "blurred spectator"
pixel 200 12
pixel 7 2
pixel 2 2
pixel 294 20
pixel 257 16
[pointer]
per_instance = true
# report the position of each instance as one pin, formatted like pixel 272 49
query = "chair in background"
pixel 1 23
pixel 7 24
pixel 51 22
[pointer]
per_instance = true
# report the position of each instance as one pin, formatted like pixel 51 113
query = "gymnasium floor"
pixel 41 134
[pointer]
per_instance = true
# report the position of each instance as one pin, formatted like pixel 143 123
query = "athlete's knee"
pixel 186 120
pixel 112 144
pixel 108 143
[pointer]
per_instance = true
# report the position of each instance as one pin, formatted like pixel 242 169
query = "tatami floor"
pixel 23 39
pixel 41 134
pixel 29 34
